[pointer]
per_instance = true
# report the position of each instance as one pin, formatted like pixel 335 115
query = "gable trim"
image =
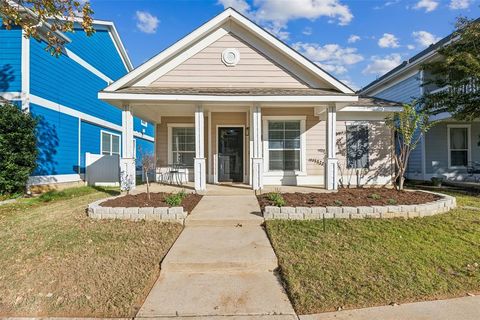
pixel 104 95
pixel 215 23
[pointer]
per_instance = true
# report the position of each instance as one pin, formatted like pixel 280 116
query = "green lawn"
pixel 362 263
pixel 56 261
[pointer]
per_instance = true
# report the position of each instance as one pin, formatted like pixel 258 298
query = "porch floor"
pixel 230 189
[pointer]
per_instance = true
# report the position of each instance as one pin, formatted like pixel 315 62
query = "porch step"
pixel 225 249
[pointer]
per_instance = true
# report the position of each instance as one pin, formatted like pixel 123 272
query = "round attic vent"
pixel 230 57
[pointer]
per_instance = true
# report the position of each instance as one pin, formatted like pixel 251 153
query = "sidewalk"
pixel 222 265
pixel 466 308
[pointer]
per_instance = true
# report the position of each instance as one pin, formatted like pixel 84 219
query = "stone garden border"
pixel 383 212
pixel 172 214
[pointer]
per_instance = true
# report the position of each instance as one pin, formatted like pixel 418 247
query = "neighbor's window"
pixel 458 146
pixel 183 146
pixel 284 145
pixel 357 146
pixel 110 143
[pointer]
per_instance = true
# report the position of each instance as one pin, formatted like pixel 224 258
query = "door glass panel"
pixel 230 154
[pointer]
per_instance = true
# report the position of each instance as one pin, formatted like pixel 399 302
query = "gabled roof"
pixel 229 15
pixel 110 26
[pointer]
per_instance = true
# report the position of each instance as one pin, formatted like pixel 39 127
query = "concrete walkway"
pixel 467 308
pixel 221 265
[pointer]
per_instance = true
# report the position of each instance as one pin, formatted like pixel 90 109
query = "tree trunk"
pixel 148 184
pixel 400 183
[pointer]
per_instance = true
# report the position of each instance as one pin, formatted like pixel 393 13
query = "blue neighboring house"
pixel 451 149
pixel 62 93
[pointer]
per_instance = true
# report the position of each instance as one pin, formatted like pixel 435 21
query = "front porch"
pixel 226 189
pixel 250 145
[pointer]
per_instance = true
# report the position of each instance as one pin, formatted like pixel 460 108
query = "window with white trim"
pixel 357 146
pixel 458 146
pixel 183 146
pixel 284 145
pixel 110 143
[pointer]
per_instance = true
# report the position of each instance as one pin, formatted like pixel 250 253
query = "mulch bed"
pixel 352 198
pixel 156 200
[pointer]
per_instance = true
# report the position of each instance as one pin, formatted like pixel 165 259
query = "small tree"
pixel 55 15
pixel 148 164
pixel 18 150
pixel 409 126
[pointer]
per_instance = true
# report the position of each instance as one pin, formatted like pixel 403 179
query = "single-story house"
pixel 232 103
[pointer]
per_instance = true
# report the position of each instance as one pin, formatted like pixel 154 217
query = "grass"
pixel 57 262
pixel 362 263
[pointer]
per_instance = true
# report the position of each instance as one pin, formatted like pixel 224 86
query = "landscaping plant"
pixel 277 199
pixel 18 150
pixel 175 199
pixel 409 126
pixel 148 164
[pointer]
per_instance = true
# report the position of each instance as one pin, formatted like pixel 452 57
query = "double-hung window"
pixel 284 145
pixel 110 143
pixel 183 146
pixel 458 146
pixel 357 146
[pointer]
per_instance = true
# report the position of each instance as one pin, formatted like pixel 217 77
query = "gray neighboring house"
pixel 451 148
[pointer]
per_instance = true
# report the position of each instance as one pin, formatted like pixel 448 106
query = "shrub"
pixel 277 199
pixel 18 148
pixel 375 196
pixel 338 203
pixel 175 199
pixel 392 201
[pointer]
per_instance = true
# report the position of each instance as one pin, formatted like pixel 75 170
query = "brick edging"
pixel 172 214
pixel 383 212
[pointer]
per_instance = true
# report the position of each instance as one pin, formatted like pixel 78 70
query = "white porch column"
pixel 200 169
pixel 127 161
pixel 256 153
pixel 331 160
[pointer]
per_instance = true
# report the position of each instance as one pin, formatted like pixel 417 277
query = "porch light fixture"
pixel 247 131
pixel 230 57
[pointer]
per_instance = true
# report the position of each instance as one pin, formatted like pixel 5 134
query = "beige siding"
pixel 380 145
pixel 229 118
pixel 206 69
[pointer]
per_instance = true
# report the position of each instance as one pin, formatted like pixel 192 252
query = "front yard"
pixel 55 261
pixel 362 263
